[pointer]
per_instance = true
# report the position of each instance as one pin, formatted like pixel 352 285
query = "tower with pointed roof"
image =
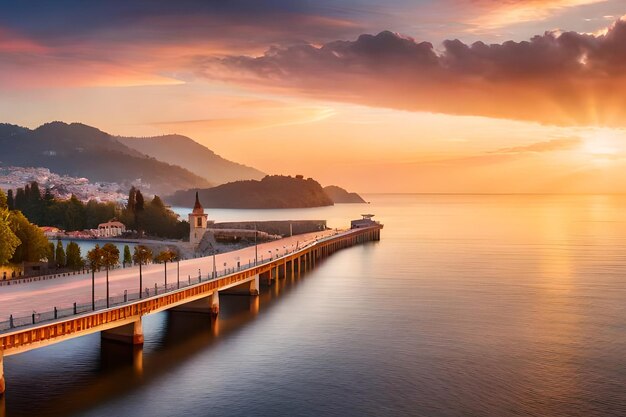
pixel 197 223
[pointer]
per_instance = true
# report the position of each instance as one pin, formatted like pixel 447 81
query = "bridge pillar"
pixel 209 304
pixel 131 333
pixel 2 383
pixel 254 286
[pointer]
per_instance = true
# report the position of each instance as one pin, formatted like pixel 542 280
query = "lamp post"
pixel 93 288
pixel 177 273
pixel 107 269
pixel 140 280
pixel 256 248
pixel 214 266
pixel 165 269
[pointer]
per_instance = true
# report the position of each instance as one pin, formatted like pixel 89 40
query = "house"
pixel 111 228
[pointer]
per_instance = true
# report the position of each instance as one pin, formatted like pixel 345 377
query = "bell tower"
pixel 197 223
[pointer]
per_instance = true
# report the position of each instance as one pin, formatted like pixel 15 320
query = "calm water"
pixel 468 306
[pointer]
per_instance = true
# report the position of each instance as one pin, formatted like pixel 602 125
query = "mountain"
pixel 341 196
pixel 83 151
pixel 271 192
pixel 183 151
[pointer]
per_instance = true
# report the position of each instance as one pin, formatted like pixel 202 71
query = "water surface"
pixel 469 305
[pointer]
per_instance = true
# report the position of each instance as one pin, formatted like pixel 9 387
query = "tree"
pixel 60 255
pixel 142 255
pixel 50 254
pixel 111 255
pixel 128 260
pixel 34 244
pixel 10 200
pixel 74 259
pixel 95 258
pixel 8 240
pixel 167 255
pixel 110 258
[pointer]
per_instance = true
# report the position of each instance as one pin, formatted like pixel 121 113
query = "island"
pixel 271 192
pixel 341 196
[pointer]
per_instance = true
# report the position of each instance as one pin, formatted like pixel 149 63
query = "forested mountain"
pixel 83 151
pixel 185 152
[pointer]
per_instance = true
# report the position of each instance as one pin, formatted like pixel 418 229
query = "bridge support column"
pixel 254 286
pixel 2 383
pixel 131 333
pixel 209 304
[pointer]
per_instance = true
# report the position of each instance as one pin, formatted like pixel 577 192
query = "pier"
pixel 121 321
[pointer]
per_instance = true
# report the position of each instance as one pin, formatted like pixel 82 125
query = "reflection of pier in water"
pixel 123 366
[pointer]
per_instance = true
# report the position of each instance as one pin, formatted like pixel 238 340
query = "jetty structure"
pixel 194 285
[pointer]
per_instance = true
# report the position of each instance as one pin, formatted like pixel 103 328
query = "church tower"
pixel 197 223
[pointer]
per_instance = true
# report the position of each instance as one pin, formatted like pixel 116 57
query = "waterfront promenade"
pixel 119 318
pixel 24 299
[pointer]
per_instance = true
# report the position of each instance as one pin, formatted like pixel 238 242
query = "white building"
pixel 198 222
pixel 111 229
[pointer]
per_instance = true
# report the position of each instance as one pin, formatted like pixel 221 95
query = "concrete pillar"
pixel 205 305
pixel 285 269
pixel 254 286
pixel 214 301
pixel 2 383
pixel 292 268
pixel 131 333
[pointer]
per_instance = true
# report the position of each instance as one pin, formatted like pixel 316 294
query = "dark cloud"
pixel 558 78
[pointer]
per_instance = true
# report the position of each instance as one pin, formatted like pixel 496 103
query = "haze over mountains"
pixel 83 151
pixel 185 152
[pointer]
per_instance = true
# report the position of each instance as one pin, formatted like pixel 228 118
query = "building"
pixel 198 222
pixel 366 221
pixel 111 229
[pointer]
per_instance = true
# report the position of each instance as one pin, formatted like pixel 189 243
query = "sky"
pixel 434 96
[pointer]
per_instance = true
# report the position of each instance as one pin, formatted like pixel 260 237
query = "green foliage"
pixel 166 256
pixel 95 257
pixel 111 255
pixel 51 253
pixel 34 244
pixel 74 259
pixel 68 215
pixel 8 240
pixel 60 255
pixel 142 255
pixel 128 259
pixel 153 217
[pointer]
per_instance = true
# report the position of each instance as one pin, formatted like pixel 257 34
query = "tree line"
pixel 150 218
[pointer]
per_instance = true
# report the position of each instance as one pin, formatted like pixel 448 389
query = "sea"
pixel 469 305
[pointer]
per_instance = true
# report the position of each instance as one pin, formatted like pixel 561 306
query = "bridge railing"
pixel 83 307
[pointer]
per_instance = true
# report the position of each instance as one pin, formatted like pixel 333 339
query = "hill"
pixel 83 151
pixel 183 151
pixel 341 196
pixel 270 192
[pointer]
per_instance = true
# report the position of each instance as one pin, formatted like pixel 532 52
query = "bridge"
pixel 119 317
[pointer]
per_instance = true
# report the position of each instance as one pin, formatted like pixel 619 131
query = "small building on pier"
pixel 366 221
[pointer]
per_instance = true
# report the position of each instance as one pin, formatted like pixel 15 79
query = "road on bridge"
pixel 40 296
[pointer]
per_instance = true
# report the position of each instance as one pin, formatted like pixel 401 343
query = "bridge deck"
pixel 28 295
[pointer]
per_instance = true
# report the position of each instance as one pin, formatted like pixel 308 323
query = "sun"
pixel 601 144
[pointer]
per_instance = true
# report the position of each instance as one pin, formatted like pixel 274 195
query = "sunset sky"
pixel 477 96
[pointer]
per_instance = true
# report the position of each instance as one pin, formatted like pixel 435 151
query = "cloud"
pixel 566 78
pixel 547 146
pixel 492 14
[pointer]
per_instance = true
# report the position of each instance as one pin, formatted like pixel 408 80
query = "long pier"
pixel 123 322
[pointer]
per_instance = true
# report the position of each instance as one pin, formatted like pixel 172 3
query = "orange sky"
pixel 411 110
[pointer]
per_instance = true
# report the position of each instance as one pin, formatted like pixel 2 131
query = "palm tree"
pixel 166 256
pixel 141 255
pixel 110 258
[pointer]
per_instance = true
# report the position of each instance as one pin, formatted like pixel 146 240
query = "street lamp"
pixel 93 288
pixel 214 266
pixel 256 248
